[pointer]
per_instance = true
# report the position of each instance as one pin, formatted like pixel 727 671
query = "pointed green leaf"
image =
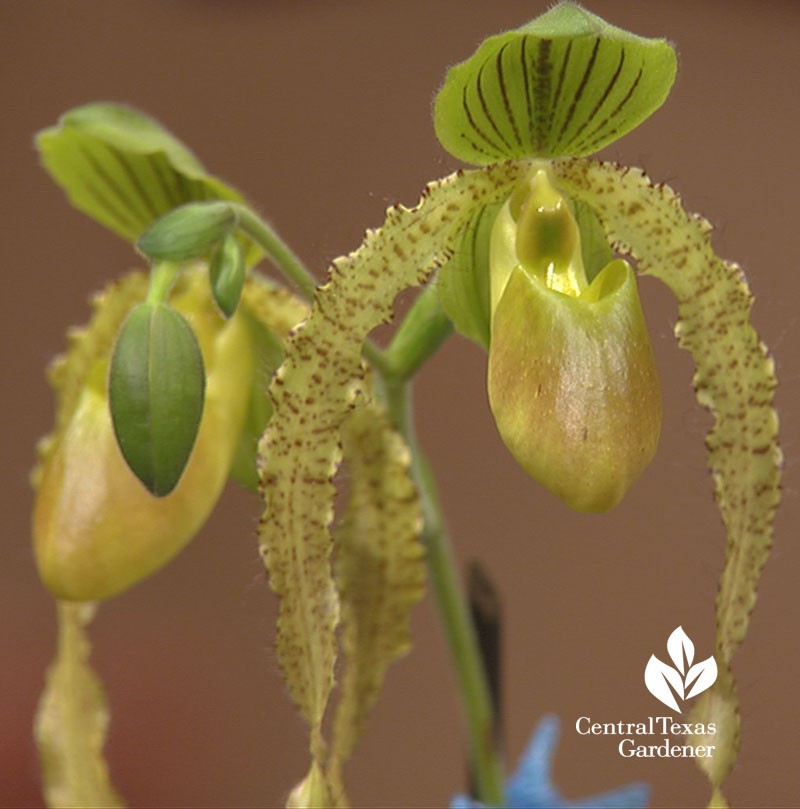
pixel 156 388
pixel 567 83
pixel 72 721
pixel 124 169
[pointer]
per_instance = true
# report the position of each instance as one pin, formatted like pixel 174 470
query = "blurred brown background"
pixel 320 112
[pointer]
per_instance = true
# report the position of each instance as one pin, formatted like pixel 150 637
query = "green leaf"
pixel 124 169
pixel 156 389
pixel 734 379
pixel 72 721
pixel 567 83
pixel 227 273
pixel 188 231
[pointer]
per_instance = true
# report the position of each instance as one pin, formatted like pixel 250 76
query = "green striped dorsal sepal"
pixel 567 83
pixel 125 170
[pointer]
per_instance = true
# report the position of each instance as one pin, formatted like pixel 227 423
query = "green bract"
pixel 227 273
pixel 187 231
pixel 156 387
pixel 567 83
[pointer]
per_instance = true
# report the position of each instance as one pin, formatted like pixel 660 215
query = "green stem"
pixel 423 330
pixel 277 250
pixel 459 632
pixel 162 277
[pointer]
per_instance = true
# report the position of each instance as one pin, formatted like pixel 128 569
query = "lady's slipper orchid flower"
pixel 97 529
pixel 572 382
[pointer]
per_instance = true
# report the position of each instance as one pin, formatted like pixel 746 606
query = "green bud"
pixel 227 273
pixel 187 231
pixel 572 379
pixel 156 390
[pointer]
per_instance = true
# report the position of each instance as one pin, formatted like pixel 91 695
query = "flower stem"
pixel 162 277
pixel 277 250
pixel 423 330
pixel 473 686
